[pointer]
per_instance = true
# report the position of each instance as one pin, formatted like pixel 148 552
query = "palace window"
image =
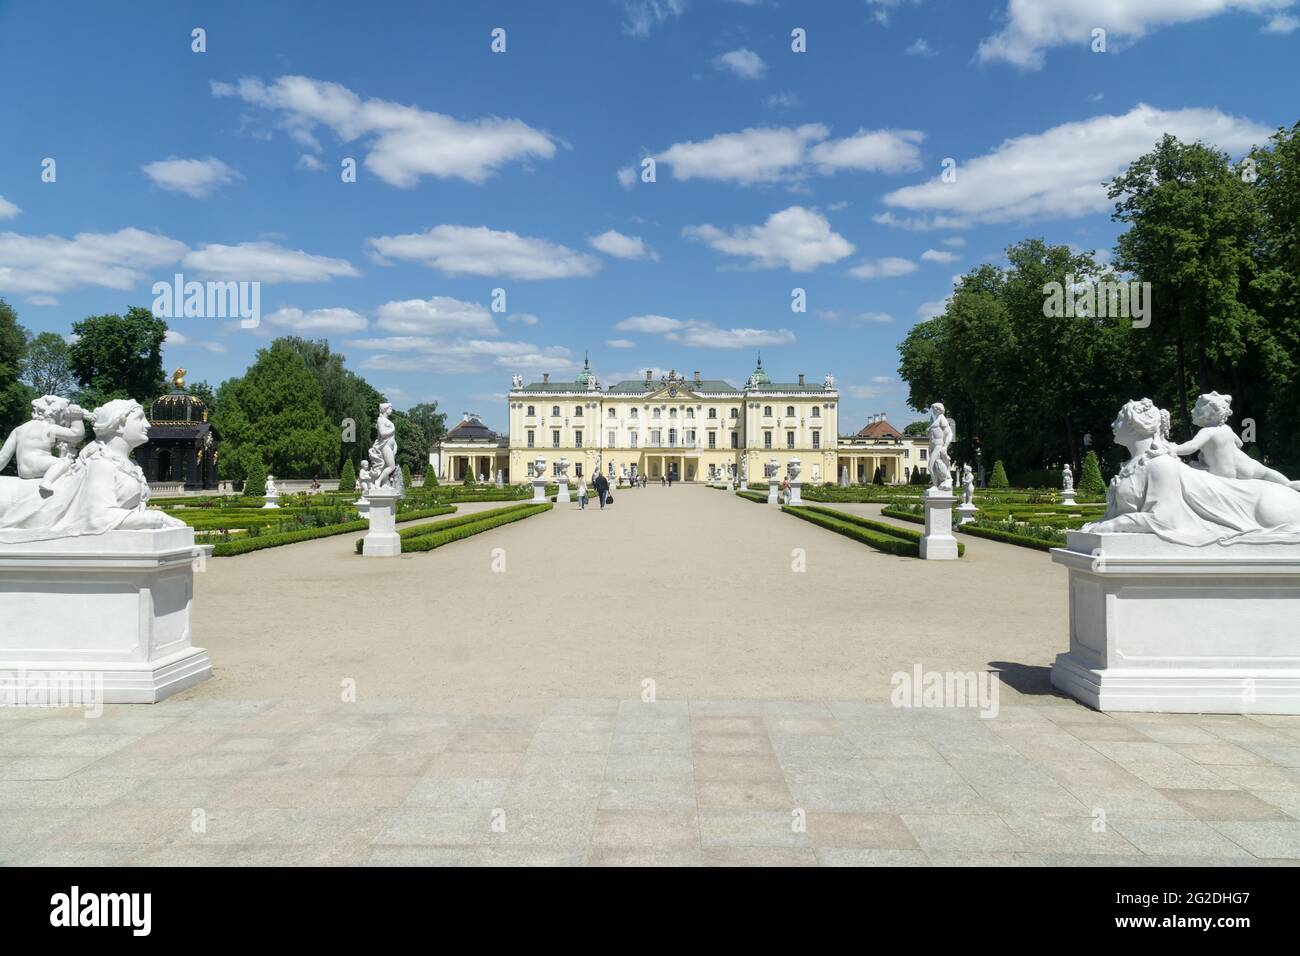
pixel 656 437
pixel 713 413
pixel 923 454
pixel 735 413
pixel 690 413
pixel 634 412
pixel 767 439
pixel 577 411
pixel 611 435
pixel 555 439
pixel 767 411
pixel 672 413
pixel 612 413
pixel 789 439
pixel 632 440
pixel 817 439
pixel 555 411
pixel 789 411
pixel 713 439
pixel 658 413
pixel 735 440
pixel 577 439
pixel 532 410
pixel 531 434
pixel 817 411
pixel 672 438
pixel 577 469
pixel 690 436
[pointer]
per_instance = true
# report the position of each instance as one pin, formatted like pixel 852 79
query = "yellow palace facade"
pixel 691 429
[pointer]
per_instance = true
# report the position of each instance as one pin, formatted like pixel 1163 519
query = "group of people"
pixel 601 486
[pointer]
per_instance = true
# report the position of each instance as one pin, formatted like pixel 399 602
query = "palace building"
pixel 692 429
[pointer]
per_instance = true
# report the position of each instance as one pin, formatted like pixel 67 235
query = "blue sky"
pixel 476 170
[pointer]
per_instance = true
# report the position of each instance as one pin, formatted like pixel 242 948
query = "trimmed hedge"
pixel 435 535
pixel 757 496
pixel 881 542
pixel 226 549
pixel 902 515
pixel 983 531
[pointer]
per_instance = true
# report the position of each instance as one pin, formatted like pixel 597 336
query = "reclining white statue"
pixel 1157 492
pixel 99 490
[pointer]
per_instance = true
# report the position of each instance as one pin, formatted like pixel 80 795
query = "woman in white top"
pixel 582 493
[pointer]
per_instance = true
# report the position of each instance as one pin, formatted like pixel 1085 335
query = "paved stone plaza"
pixel 499 715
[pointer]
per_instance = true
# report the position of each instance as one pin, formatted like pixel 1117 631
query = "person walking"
pixel 602 488
pixel 582 493
pixel 785 490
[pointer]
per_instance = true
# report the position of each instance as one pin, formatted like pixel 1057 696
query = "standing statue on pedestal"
pixel 1219 446
pixel 383 453
pixel 941 434
pixel 44 448
pixel 968 485
pixel 99 490
pixel 1067 481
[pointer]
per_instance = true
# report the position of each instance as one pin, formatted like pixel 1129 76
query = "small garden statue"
pixel 1219 446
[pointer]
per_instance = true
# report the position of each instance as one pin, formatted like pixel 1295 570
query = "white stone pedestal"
pixel 967 513
pixel 1168 628
pixel 539 489
pixel 938 544
pixel 271 502
pixel 563 495
pixel 773 493
pixel 730 485
pixel 1068 499
pixel 382 540
pixel 796 492
pixel 105 617
pixel 362 506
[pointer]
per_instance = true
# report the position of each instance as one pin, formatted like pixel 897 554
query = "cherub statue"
pixel 1067 480
pixel 1219 446
pixel 44 446
pixel 363 479
pixel 968 484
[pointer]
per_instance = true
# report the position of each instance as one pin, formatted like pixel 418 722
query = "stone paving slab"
pixel 558 782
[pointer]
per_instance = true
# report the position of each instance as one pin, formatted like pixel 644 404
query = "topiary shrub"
pixel 999 477
pixel 348 477
pixel 919 477
pixel 406 477
pixel 1090 481
pixel 255 479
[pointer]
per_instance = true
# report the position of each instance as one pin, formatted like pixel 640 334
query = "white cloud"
pixel 314 321
pixel 479 251
pixel 938 255
pixel 653 324
pixel 7 209
pixel 921 223
pixel 627 176
pixel 1034 26
pixel 265 262
pixel 954 241
pixel 41 300
pixel 461 356
pixel 620 343
pixel 198 178
pixel 743 63
pixel 789 154
pixel 523 318
pixel 642 16
pixel 883 8
pixel 308 161
pixel 440 315
pixel 1060 172
pixel 882 150
pixel 928 310
pixel 405 142
pixel 889 267
pixel 1282 24
pixel 619 246
pixel 921 48
pixel 835 315
pixel 796 238
pixel 53 264
pixel 175 338
pixel 707 336
pixel 782 101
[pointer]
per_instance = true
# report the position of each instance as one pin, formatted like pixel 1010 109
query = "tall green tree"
pixel 412 446
pixel 1192 221
pixel 431 421
pixel 48 365
pixel 274 413
pixel 344 395
pixel 119 356
pixel 15 397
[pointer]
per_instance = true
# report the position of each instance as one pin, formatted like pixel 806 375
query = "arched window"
pixel 658 412
pixel 713 413
pixel 612 413
pixel 735 413
pixel 767 411
pixel 690 413
pixel 789 411
pixel 672 413
pixel 817 411
pixel 532 410
pixel 577 411
pixel 634 412
pixel 555 411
